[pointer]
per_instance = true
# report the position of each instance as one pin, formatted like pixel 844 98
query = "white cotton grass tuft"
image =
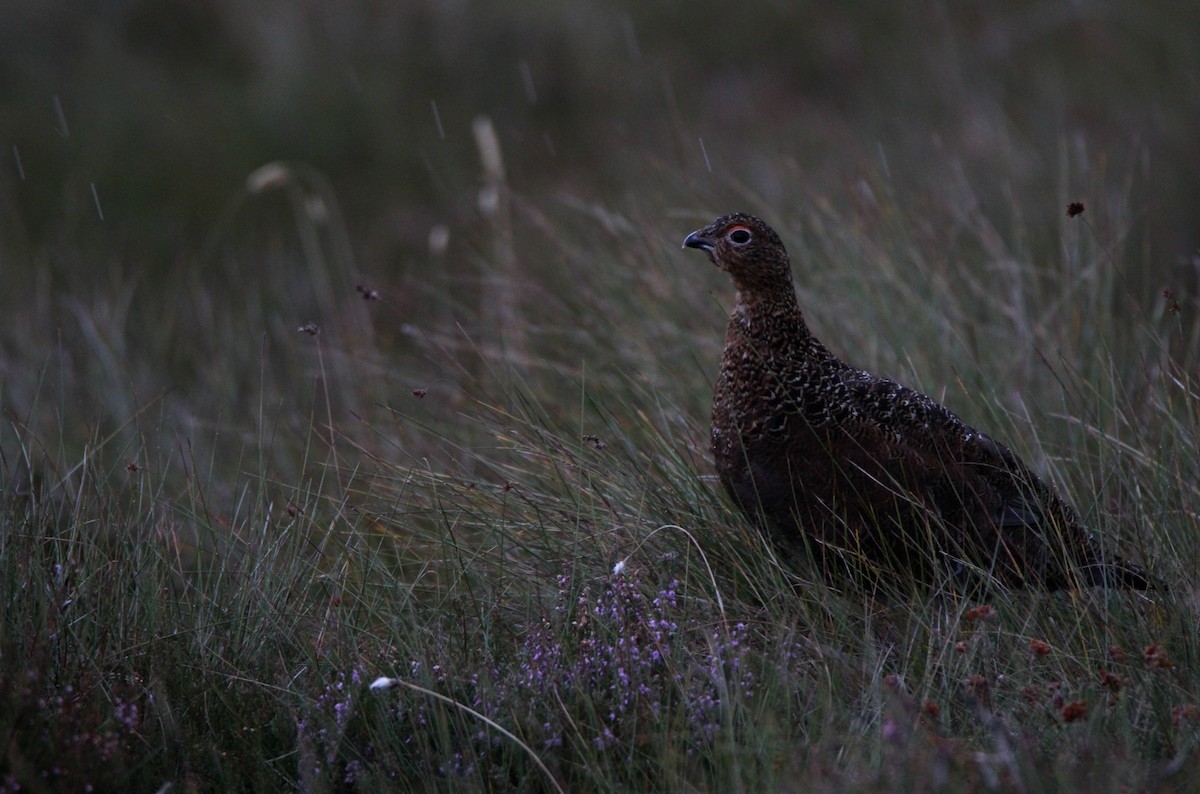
pixel 271 175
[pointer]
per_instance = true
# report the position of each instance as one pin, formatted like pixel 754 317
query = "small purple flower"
pixel 605 740
pixel 127 715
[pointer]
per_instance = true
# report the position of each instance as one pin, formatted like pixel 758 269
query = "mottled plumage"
pixel 880 479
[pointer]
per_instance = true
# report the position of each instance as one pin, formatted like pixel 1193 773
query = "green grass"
pixel 204 601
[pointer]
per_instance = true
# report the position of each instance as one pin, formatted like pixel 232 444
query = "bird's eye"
pixel 739 235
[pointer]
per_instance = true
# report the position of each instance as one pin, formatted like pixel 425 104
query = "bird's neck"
pixel 777 308
pixel 772 320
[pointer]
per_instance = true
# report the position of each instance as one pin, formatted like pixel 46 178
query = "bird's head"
pixel 747 249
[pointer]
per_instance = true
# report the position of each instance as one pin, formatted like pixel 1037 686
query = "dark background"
pixel 167 106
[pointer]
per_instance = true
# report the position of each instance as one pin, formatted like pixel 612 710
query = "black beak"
pixel 697 240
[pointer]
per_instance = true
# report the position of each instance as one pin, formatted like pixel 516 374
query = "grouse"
pixel 879 480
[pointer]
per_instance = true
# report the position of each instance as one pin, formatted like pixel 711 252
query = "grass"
pixel 527 539
pixel 422 400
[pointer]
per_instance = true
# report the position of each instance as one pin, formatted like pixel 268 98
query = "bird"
pixel 878 480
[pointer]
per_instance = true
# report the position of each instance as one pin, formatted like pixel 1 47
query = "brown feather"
pixel 877 478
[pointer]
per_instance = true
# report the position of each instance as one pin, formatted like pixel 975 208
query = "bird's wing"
pixel 955 464
pixel 977 486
